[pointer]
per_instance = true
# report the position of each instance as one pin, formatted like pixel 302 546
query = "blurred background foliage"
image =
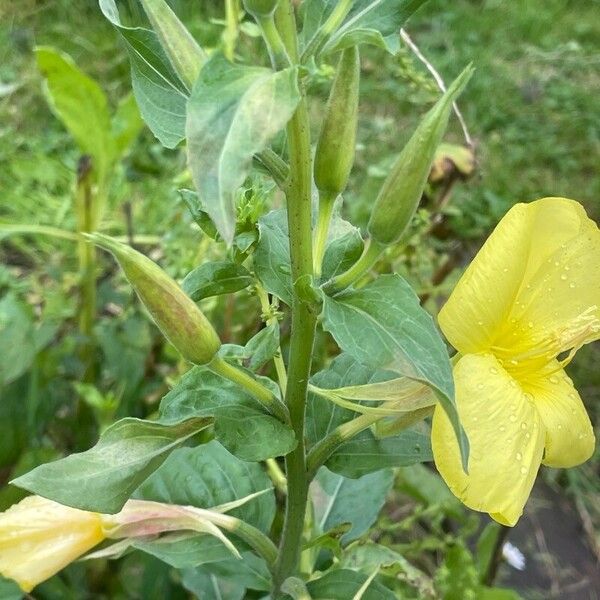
pixel 533 113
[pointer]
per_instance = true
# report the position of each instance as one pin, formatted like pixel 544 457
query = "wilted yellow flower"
pixel 39 537
pixel 528 301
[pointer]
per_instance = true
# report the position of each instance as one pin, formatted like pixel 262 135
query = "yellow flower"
pixel 39 537
pixel 528 301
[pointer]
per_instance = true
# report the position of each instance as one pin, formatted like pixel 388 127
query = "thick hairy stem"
pixel 303 320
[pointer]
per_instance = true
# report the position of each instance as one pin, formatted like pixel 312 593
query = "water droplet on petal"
pixel 513 418
pixel 502 428
pixel 480 386
pixel 530 325
pixel 519 456
pixel 493 371
pixel 523 425
pixel 523 470
pixel 571 285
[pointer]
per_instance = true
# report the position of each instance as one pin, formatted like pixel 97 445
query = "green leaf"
pixel 160 93
pixel 126 124
pixel 375 22
pixel 103 478
pixel 206 586
pixel 486 547
pixel 17 338
pixel 216 278
pixel 338 500
pixel 252 571
pixel 233 112
pixel 272 253
pixel 396 334
pixel 241 423
pixel 370 556
pixel 186 550
pixel 79 102
pixel 486 593
pixel 343 584
pixel 364 453
pixel 208 475
pixel 9 590
pixel 263 346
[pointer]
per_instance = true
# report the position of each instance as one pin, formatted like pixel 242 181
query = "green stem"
pixel 260 392
pixel 335 19
pixel 231 28
pixel 303 320
pixel 326 204
pixel 362 266
pixel 277 475
pixel 277 51
pixel 328 445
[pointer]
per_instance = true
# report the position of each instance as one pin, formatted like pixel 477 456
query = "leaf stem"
pixel 258 390
pixel 276 166
pixel 369 257
pixel 303 320
pixel 277 50
pixel 326 204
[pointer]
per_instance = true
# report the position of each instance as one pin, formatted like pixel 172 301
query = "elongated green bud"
pixel 186 56
pixel 335 149
pixel 260 8
pixel 402 190
pixel 175 313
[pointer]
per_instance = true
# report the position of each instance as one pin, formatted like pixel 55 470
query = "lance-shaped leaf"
pixel 396 334
pixel 183 51
pixel 79 102
pixel 343 584
pixel 233 113
pixel 242 425
pixel 103 478
pixel 216 278
pixel 158 89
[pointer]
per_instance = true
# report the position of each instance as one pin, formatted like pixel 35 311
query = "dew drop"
pixel 556 263
pixel 480 386
pixel 530 325
pixel 493 371
pixel 513 418
pixel 554 379
pixel 502 428
pixel 519 456
pixel 505 270
pixel 523 425
pixel 559 426
pixel 581 436
pixel 523 470
pixel 571 285
pixel 480 323
pixel 528 435
pixel 563 277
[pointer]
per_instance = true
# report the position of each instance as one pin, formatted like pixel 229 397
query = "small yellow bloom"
pixel 39 537
pixel 528 301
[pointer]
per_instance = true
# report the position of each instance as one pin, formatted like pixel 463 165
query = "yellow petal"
pixel 533 288
pixel 39 537
pixel 506 438
pixel 570 437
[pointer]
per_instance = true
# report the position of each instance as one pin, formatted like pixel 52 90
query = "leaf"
pixel 103 478
pixel 272 253
pixel 338 500
pixel 233 112
pixel 241 423
pixel 9 590
pixel 375 22
pixel 160 94
pixel 17 338
pixel 126 124
pixel 216 278
pixel 364 453
pixel 207 476
pixel 206 586
pixel 369 557
pixel 79 102
pixel 396 334
pixel 263 346
pixel 252 571
pixel 343 584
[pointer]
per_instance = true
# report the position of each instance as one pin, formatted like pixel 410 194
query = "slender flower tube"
pixel 528 301
pixel 39 537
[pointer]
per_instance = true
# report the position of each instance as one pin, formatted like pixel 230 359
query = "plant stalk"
pixel 303 320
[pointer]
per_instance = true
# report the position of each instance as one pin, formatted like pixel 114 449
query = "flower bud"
pixel 186 56
pixel 335 149
pixel 173 311
pixel 402 190
pixel 260 9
